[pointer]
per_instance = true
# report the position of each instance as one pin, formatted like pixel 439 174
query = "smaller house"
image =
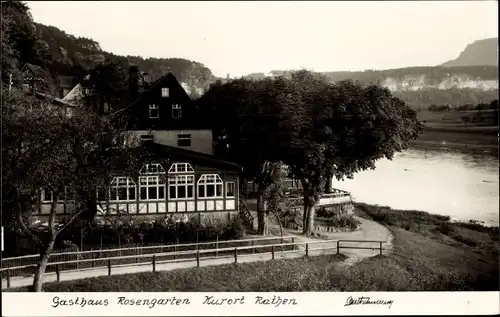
pixel 79 91
pixel 65 83
pixel 35 78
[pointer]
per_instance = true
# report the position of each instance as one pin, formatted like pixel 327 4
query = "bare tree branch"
pixel 70 221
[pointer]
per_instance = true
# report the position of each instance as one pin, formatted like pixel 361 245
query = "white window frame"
pixel 234 189
pixel 46 192
pixel 165 92
pixel 148 182
pixel 177 181
pixel 176 111
pixel 156 108
pixel 177 168
pixel 146 137
pixel 122 182
pixel 209 180
pixel 184 137
pixel 152 169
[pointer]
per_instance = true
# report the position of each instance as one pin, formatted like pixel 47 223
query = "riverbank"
pixel 447 130
pixel 463 141
pixel 430 253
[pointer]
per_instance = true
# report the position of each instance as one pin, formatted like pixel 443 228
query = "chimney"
pixel 133 82
pixel 146 77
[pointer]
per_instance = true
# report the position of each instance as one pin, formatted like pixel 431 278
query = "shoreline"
pixel 487 149
pixel 446 218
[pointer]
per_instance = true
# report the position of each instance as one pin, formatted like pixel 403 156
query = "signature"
pixel 367 301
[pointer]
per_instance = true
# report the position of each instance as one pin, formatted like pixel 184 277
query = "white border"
pixel 311 303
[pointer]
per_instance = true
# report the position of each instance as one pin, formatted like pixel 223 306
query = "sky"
pixel 241 37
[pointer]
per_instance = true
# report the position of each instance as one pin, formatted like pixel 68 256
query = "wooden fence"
pixel 199 254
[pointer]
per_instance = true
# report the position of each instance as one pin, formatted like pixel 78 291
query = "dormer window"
pixel 154 111
pixel 176 111
pixel 165 92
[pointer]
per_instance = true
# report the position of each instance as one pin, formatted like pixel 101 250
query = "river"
pixel 463 186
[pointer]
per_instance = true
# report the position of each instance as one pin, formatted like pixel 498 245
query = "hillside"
pixel 470 79
pixel 74 56
pixel 480 53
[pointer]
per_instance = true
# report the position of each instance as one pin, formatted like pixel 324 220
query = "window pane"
pixel 210 190
pixel 171 192
pixel 101 193
pixel 131 193
pixel 230 189
pixel 181 191
pixel 144 194
pixel 219 190
pixel 45 195
pixel 176 113
pixel 154 113
pixel 113 193
pixel 122 194
pixel 201 191
pixel 190 191
pixel 152 191
pixel 161 192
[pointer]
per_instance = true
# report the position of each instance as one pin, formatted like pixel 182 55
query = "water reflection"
pixel 461 185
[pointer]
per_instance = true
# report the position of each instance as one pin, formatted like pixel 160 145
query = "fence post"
pixel 253 249
pixel 198 258
pixel 307 249
pixel 8 278
pixel 58 273
pixel 137 254
pixel 154 263
pixel 380 248
pixel 338 246
pixel 109 267
pixel 93 259
pixel 235 255
pixel 217 246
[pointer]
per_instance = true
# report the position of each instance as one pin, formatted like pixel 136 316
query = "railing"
pixel 198 255
pixel 28 262
pixel 246 215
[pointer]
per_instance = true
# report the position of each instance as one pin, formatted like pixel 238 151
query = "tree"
pixel 242 119
pixel 317 128
pixel 69 156
pixel 339 129
pixel 108 83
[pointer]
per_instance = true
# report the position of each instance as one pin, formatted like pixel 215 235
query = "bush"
pixel 157 231
pixel 445 228
pixel 343 222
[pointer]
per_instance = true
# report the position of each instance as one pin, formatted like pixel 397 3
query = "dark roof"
pixel 196 157
pixel 55 101
pixel 35 69
pixel 150 87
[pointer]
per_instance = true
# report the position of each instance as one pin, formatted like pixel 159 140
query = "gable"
pixel 165 105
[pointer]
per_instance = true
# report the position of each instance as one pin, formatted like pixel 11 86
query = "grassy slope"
pixel 430 254
pixel 448 127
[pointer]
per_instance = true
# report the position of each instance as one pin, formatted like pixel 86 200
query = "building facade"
pixel 182 178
